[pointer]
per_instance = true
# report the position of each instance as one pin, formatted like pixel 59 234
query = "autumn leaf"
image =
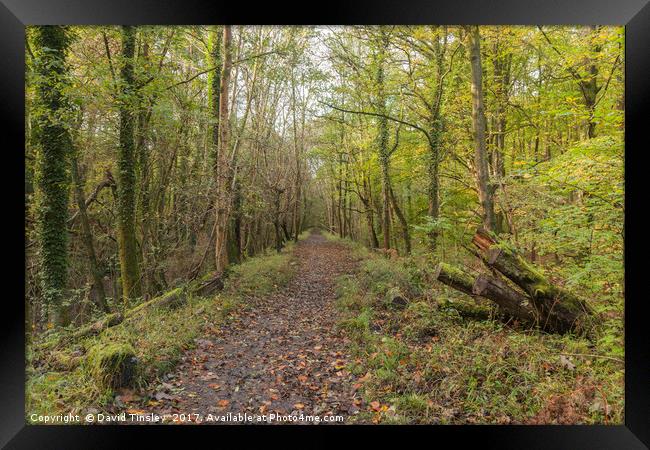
pixel 299 406
pixel 376 406
pixel 339 364
pixel 365 378
pixel 223 403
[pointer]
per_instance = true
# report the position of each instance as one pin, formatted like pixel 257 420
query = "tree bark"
pixel 130 271
pixel 456 278
pixel 223 203
pixel 485 190
pixel 382 138
pixel 403 223
pixel 509 300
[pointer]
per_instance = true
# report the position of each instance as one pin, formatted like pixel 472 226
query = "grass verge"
pixel 430 363
pixel 56 385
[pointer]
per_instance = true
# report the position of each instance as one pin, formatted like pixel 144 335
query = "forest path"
pixel 281 355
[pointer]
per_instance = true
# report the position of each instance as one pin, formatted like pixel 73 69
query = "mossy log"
pixel 209 285
pixel 511 302
pixel 456 278
pixel 58 340
pixel 172 299
pixel 105 322
pixel 470 311
pixel 558 309
pixel 113 365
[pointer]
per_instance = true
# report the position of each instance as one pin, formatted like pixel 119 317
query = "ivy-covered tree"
pixel 126 184
pixel 52 178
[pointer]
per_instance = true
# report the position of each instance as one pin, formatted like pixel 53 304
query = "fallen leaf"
pixel 566 363
pixel 223 403
pixel 299 406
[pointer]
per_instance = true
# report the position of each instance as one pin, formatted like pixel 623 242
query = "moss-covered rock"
pixel 395 299
pixel 114 365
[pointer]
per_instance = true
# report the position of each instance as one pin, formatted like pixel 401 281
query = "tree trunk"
pixel 214 87
pixel 382 138
pixel 485 190
pixel 502 65
pixel 456 278
pixel 433 179
pixel 367 204
pixel 510 301
pixel 403 223
pixel 223 167
pixel 52 181
pixel 130 271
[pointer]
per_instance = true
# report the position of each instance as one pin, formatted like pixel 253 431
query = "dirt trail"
pixel 282 355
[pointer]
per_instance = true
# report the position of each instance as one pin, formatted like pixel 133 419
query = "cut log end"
pixel 483 239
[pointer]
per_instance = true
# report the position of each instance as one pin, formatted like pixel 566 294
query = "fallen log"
pixel 171 299
pixel 209 285
pixel 558 309
pixel 509 302
pixel 107 321
pixel 110 320
pixel 454 277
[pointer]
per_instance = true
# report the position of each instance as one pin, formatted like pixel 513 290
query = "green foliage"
pixel 379 275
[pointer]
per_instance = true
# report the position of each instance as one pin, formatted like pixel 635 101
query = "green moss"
pixel 166 299
pixel 112 365
pixel 456 274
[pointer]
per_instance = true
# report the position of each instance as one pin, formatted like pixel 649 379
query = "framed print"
pixel 365 218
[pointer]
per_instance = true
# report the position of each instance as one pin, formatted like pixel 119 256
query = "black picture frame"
pixel 634 14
